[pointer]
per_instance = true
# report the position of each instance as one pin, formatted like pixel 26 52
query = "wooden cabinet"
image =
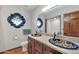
pixel 36 47
pixel 71 24
pixel 30 45
pixel 48 50
pixel 66 28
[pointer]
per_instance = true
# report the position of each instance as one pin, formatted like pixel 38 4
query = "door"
pixel 71 24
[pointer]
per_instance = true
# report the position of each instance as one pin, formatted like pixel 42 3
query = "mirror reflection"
pixel 53 25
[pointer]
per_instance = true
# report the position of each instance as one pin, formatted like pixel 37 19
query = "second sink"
pixel 64 44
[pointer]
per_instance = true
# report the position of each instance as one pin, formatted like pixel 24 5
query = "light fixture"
pixel 47 7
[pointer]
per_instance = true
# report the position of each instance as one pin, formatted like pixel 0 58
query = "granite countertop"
pixel 44 39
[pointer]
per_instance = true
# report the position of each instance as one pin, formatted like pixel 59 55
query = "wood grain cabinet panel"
pixel 48 50
pixel 38 47
pixel 66 28
pixel 30 45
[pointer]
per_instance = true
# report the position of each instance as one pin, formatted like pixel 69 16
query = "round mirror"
pixel 39 23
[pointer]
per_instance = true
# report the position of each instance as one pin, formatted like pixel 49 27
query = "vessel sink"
pixel 64 44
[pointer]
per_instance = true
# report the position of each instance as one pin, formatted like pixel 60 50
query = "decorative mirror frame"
pixel 39 19
pixel 12 16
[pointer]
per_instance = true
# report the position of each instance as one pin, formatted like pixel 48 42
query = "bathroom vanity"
pixel 36 47
pixel 41 45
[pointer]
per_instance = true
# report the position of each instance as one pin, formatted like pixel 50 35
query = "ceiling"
pixel 32 7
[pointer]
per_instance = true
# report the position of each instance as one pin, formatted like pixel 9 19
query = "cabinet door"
pixel 30 45
pixel 48 50
pixel 76 29
pixel 71 24
pixel 66 28
pixel 38 47
pixel 71 28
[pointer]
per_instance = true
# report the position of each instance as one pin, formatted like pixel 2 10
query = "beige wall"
pixel 8 31
pixel 35 15
pixel 1 35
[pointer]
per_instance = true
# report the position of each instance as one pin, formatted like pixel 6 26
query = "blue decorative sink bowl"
pixel 64 44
